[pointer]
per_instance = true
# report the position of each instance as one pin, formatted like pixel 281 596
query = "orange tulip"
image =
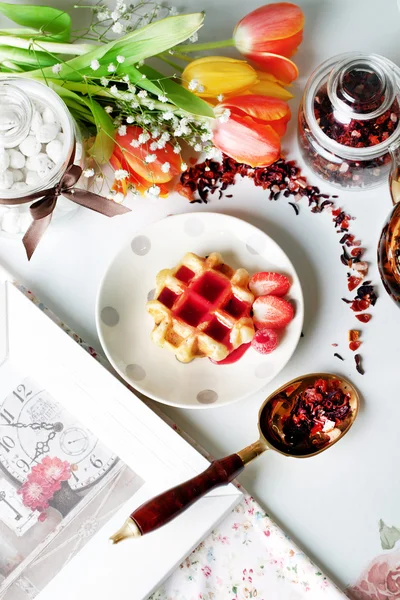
pixel 252 133
pixel 269 35
pixel 145 166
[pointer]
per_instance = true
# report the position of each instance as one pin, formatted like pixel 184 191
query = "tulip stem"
pixel 205 46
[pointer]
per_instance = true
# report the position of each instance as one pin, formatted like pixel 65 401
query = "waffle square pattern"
pixel 202 308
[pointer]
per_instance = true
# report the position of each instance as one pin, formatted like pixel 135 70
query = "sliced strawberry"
pixel 271 311
pixel 265 340
pixel 262 284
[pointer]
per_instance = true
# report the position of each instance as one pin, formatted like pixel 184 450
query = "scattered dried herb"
pixel 338 356
pixel 359 367
pixel 284 179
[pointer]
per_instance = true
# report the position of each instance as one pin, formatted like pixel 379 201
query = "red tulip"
pixel 252 133
pixel 143 174
pixel 269 35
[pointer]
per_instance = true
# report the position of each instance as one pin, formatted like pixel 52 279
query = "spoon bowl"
pixel 302 418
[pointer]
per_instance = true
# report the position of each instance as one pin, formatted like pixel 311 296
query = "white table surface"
pixel 331 503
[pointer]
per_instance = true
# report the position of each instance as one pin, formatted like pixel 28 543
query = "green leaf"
pixel 26 58
pixel 389 535
pixel 53 23
pixel 103 145
pixel 178 95
pixel 135 46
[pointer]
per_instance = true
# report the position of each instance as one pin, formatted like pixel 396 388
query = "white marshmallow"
pixel 17 160
pixel 30 146
pixel 18 175
pixel 43 165
pixel 48 116
pixel 54 150
pixel 10 221
pixel 6 180
pixel 19 185
pixel 36 121
pixel 32 178
pixel 61 137
pixel 25 220
pixel 47 132
pixel 4 160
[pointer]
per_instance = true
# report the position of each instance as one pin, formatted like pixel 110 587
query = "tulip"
pixel 251 134
pixel 212 76
pixel 164 165
pixel 269 35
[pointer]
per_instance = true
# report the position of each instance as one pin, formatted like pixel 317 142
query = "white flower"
pixel 163 98
pixel 178 132
pixel 200 88
pixel 122 130
pixel 142 94
pixel 198 147
pixel 134 104
pixel 173 11
pixel 150 105
pixel 165 167
pixel 146 121
pixel 94 65
pixel 114 90
pixel 56 68
pixel 205 137
pixel 108 109
pixel 154 190
pixel 144 137
pixel 117 27
pixel 125 77
pixel 177 148
pixel 155 133
pixel 193 84
pixel 131 88
pixel 130 119
pixel 143 76
pixel 168 115
pixel 120 59
pixel 166 136
pixel 183 166
pixel 104 81
pixel 150 158
pixel 153 146
pixel 103 15
pixel 140 64
pixel 121 174
pixel 111 68
pixel 118 197
pixel 194 38
pixel 220 97
pixel 135 143
pixel 161 144
pixel 225 116
pixel 88 173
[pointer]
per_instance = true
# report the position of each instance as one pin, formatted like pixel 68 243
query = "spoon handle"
pixel 163 508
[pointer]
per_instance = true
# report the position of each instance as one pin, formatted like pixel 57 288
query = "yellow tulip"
pixel 211 76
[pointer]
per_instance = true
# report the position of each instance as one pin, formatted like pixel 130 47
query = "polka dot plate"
pixel 124 326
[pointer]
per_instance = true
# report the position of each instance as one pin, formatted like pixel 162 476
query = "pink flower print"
pixel 235 526
pixel 380 581
pixel 54 469
pixel 206 571
pixel 35 495
pixel 267 532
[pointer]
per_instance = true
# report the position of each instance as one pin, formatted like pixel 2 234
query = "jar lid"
pixel 352 105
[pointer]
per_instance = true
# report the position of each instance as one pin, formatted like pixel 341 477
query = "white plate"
pixel 124 326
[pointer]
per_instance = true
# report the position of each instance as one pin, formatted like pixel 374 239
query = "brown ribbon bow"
pixel 42 210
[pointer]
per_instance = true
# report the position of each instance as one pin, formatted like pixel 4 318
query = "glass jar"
pixel 348 118
pixel 32 158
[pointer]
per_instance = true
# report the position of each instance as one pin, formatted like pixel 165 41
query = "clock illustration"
pixel 34 425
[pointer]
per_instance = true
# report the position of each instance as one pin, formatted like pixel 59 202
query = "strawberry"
pixel 262 284
pixel 272 312
pixel 265 340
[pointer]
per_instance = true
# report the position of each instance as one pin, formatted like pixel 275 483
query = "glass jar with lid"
pixel 349 117
pixel 38 141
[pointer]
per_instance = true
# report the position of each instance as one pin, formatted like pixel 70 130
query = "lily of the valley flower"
pixel 269 35
pixel 212 76
pixel 145 167
pixel 252 132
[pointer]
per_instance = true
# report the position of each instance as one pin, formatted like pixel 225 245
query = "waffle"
pixel 202 308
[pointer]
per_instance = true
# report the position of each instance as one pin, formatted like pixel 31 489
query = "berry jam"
pixel 211 286
pixel 234 356
pixel 167 297
pixel 184 274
